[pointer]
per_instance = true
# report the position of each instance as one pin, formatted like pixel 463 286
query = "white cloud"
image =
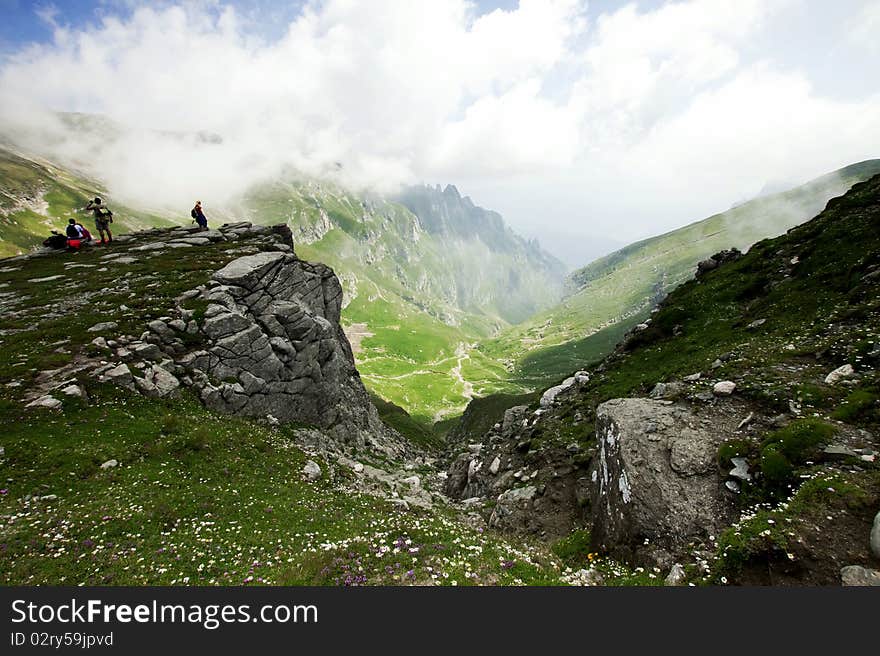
pixel 625 124
pixel 865 27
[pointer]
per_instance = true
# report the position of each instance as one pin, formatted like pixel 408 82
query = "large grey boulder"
pixel 275 347
pixel 655 477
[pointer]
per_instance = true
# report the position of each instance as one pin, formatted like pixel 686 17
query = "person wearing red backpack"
pixel 74 235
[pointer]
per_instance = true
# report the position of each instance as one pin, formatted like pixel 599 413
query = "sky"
pixel 586 124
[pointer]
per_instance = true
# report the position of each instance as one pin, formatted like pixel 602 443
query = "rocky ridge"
pixel 260 339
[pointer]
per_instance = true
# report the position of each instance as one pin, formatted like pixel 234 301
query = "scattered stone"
pixel 724 388
pixel 120 375
pixel 513 508
pixel 413 481
pixel 75 391
pixel 838 451
pixel 496 465
pixel 47 279
pixel 740 469
pixel 756 324
pixel 745 422
pixel 667 391
pixel 157 381
pixel 550 395
pixel 103 327
pixel 676 576
pixel 846 371
pixel 312 470
pixel 854 575
pixel 693 378
pixel 733 486
pixel 47 401
pixel 110 464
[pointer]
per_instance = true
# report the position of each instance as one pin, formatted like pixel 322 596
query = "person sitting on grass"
pixel 74 235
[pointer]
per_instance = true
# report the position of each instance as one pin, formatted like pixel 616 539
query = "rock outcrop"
pixel 540 491
pixel 273 345
pixel 655 477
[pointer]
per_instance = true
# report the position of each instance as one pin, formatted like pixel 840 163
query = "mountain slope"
pixel 617 291
pixel 792 330
pixel 37 196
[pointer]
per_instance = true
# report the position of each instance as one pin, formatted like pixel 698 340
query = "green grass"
pixel 769 530
pixel 206 499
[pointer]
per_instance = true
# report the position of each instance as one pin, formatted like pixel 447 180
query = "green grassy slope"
pixel 817 289
pixel 36 197
pixel 617 291
pixel 198 497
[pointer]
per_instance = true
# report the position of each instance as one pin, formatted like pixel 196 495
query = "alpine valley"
pixel 342 387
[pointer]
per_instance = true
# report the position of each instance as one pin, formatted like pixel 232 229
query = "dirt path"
pixel 356 333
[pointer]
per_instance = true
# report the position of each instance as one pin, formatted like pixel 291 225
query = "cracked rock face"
pixel 655 477
pixel 275 347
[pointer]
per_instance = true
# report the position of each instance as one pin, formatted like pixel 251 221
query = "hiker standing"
pixel 103 218
pixel 199 215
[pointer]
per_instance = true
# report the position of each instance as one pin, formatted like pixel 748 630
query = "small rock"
pixel 724 388
pixel 75 391
pixel 46 279
pixel 47 401
pixel 745 422
pixel 693 378
pixel 733 486
pixel 100 342
pixel 121 376
pixel 853 575
pixel 740 469
pixel 676 575
pixel 756 324
pixel 312 470
pixel 839 374
pixel 110 464
pixel 413 481
pixel 103 327
pixel 495 466
pixel 834 451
